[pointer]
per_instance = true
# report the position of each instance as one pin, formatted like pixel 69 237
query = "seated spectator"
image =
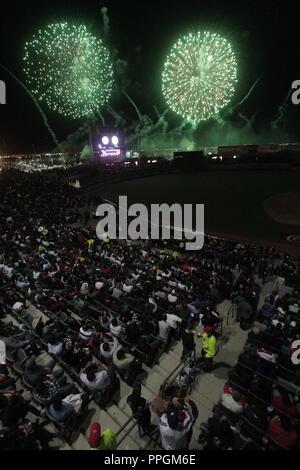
pixel 257 416
pixel 34 373
pixel 282 401
pixel 14 409
pixel 123 360
pixel 117 292
pixel 86 331
pixel 84 289
pixel 107 348
pixel 127 287
pixel 17 341
pixel 232 402
pixel 282 431
pixel 105 320
pixel 116 329
pixel 50 388
pixel 61 409
pixel 218 429
pixel 55 345
pixel 6 382
pixel 133 333
pixel 28 436
pixel 172 298
pixel 93 379
pixel 101 441
pixel 94 342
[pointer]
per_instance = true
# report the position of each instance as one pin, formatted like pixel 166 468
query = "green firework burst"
pixel 69 69
pixel 199 76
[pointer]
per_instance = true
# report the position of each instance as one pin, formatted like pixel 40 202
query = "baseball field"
pixel 257 205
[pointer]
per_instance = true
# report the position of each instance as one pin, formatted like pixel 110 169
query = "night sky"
pixel 263 34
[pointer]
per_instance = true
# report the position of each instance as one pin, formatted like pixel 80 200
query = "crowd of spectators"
pixel 106 307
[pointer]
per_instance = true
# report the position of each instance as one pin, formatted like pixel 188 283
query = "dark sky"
pixel 263 34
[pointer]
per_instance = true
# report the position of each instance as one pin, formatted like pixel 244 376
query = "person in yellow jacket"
pixel 101 441
pixel 90 242
pixel 209 348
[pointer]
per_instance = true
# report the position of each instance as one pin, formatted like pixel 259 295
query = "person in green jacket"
pixel 209 348
pixel 101 441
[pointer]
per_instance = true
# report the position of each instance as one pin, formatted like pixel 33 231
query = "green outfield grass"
pixel 233 199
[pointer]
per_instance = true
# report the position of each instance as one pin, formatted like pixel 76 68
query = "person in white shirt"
pixel 21 283
pixel 99 285
pixel 232 402
pixel 116 293
pixel 172 297
pixel 294 308
pixel 86 331
pixel 17 306
pixel 116 329
pixel 107 348
pixel 122 360
pixel 8 271
pixel 174 427
pixel 95 380
pixel 164 328
pixel 127 287
pixel 173 320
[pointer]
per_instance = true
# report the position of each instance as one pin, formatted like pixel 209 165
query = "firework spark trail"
pixel 102 118
pixel 249 93
pixel 248 121
pixel 118 118
pixel 281 111
pixel 51 132
pixel 133 104
pixel 161 122
pixel 105 18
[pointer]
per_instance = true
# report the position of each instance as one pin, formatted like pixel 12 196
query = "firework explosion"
pixel 199 76
pixel 69 69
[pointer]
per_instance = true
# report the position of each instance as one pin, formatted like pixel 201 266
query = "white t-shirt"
pixel 294 308
pixel 116 330
pixel 163 329
pixel 173 439
pixel 101 381
pixel 55 348
pixel 173 320
pixel 230 403
pixel 18 306
pixel 127 288
pixel 172 298
pixel 112 347
pixel 8 271
pixel 85 334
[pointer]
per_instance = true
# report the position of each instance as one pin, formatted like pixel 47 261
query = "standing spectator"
pixel 188 342
pixel 209 348
pixel 140 408
pixel 174 427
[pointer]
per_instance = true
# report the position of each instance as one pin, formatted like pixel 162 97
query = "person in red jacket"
pixel 282 431
pixel 283 402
